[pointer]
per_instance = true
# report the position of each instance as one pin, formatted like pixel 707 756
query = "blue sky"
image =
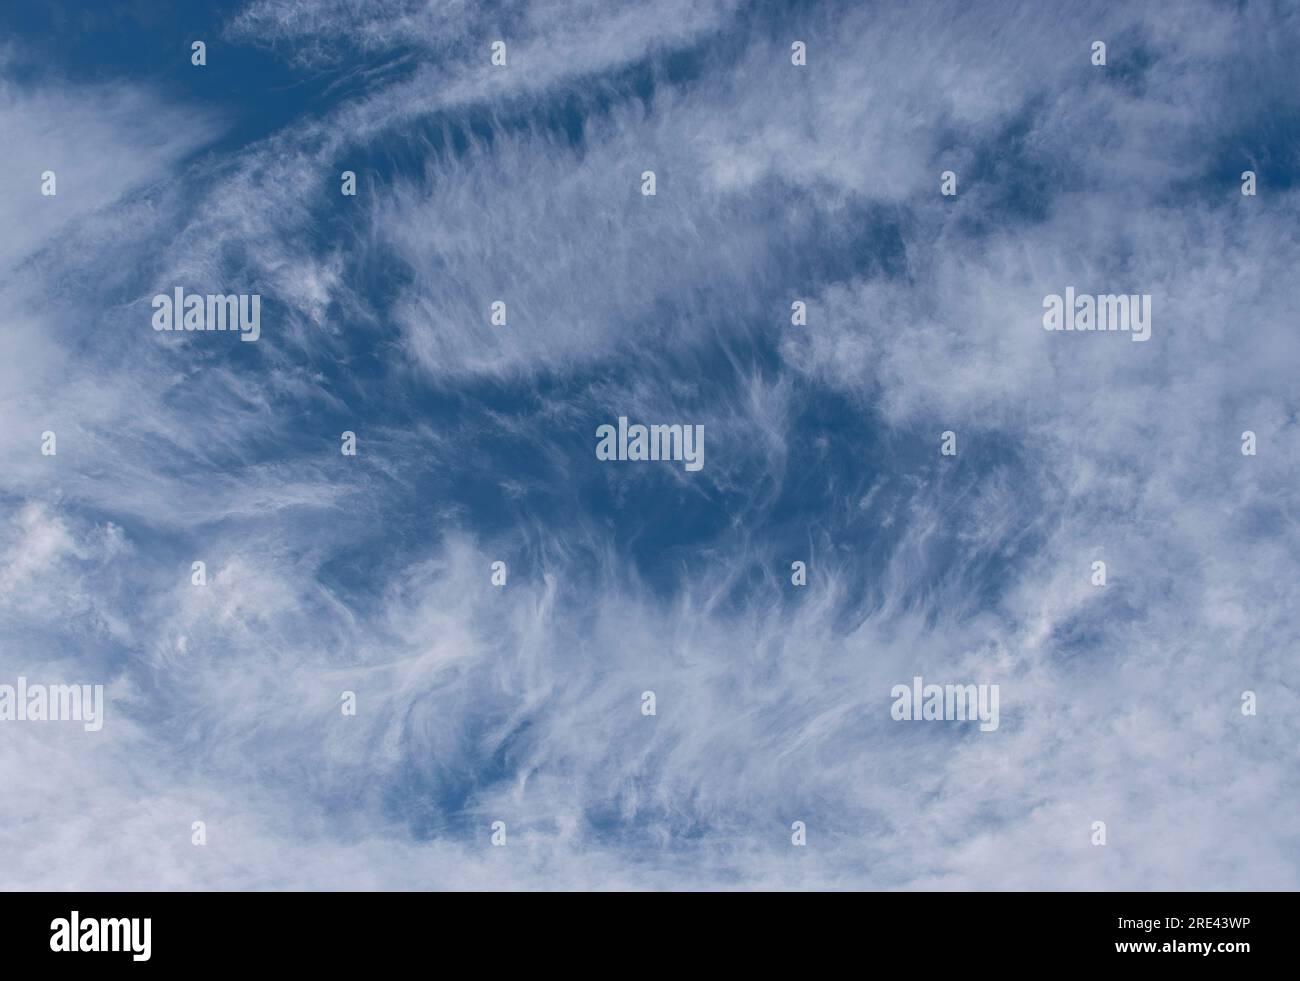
pixel 476 443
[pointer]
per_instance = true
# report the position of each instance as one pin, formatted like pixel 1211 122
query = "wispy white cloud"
pixel 522 704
